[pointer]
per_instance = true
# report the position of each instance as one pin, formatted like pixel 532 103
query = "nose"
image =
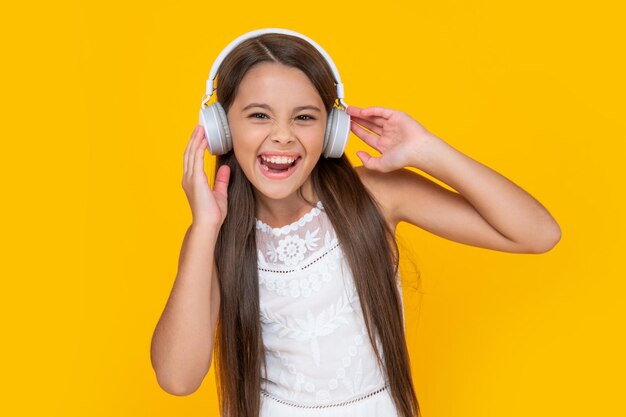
pixel 282 134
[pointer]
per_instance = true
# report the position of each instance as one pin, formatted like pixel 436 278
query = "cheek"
pixel 313 138
pixel 247 138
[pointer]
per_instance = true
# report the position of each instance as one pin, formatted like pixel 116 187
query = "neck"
pixel 278 213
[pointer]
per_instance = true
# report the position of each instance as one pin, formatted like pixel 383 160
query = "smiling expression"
pixel 277 121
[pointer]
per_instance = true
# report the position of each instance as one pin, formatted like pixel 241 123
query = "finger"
pixel 367 137
pixel 222 177
pixel 354 111
pixel 369 161
pixel 199 159
pixel 377 120
pixel 187 148
pixel 195 150
pixel 357 113
pixel 189 151
pixel 383 112
pixel 369 125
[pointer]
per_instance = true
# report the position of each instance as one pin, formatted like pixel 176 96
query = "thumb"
pixel 221 180
pixel 369 162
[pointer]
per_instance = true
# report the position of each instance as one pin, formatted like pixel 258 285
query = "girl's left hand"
pixel 396 135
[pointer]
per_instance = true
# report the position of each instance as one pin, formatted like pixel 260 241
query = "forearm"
pixel 505 206
pixel 182 343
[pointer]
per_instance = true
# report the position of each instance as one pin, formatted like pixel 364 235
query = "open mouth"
pixel 278 164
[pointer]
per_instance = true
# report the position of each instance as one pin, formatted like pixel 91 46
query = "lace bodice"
pixel 317 346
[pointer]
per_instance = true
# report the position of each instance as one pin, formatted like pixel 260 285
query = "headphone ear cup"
pixel 337 132
pixel 213 119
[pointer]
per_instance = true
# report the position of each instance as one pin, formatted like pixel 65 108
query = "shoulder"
pixel 405 195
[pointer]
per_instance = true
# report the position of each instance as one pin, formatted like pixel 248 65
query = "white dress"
pixel 319 358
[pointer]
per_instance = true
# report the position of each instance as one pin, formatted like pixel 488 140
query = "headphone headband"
pixel 254 33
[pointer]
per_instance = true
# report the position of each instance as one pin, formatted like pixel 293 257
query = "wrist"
pixel 426 155
pixel 208 229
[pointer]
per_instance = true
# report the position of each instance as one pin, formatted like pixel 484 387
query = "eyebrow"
pixel 268 107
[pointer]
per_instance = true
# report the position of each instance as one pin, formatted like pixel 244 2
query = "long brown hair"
pixel 360 228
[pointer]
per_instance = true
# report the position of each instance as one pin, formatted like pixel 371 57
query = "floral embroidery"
pixel 291 250
pixel 312 327
pixel 358 383
pixel 296 286
pixel 317 346
pixel 277 231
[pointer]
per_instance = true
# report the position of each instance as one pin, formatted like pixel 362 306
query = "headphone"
pixel 213 117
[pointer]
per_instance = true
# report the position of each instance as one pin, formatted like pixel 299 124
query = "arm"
pixel 182 343
pixel 488 211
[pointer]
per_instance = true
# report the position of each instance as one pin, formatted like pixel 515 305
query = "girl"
pixel 290 266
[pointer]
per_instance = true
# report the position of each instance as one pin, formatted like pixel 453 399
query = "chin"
pixel 276 194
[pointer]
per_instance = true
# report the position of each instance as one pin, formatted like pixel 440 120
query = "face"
pixel 277 121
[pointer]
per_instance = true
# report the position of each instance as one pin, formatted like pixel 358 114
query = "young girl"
pixel 290 267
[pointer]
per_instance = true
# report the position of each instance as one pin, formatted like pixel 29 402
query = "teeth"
pixel 278 159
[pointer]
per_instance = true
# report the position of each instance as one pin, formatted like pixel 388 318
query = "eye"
pixel 305 117
pixel 258 116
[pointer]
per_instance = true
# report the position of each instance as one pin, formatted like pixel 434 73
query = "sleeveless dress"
pixel 319 358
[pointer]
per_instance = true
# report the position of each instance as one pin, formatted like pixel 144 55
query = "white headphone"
pixel 213 118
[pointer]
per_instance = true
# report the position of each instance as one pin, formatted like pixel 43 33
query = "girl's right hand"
pixel 207 207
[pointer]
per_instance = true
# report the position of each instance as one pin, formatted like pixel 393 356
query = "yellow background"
pixel 100 98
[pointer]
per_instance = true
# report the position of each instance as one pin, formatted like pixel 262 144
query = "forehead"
pixel 273 82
